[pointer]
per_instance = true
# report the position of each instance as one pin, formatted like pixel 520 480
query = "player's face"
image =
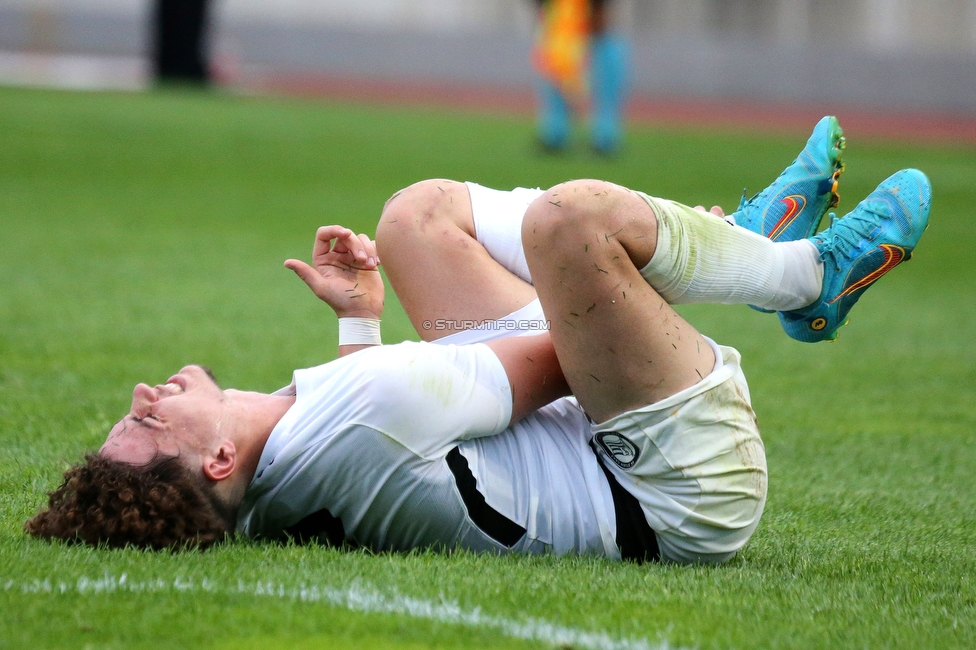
pixel 178 418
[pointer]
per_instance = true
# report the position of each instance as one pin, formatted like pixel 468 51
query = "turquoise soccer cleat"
pixel 793 206
pixel 880 233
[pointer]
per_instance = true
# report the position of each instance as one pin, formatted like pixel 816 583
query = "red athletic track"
pixel 918 126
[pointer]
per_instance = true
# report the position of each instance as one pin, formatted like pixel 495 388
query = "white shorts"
pixel 498 224
pixel 695 462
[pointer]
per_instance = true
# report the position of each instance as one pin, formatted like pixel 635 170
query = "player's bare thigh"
pixel 620 345
pixel 426 241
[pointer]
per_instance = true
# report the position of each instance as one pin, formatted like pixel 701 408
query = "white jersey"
pixel 408 446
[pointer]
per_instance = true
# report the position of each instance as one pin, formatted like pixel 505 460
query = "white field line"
pixel 356 597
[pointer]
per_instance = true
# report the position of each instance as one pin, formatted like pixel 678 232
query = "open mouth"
pixel 176 384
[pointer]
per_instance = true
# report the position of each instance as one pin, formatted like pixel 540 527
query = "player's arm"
pixel 430 397
pixel 533 372
pixel 345 275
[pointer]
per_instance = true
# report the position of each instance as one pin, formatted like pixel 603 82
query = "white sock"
pixel 700 258
pixel 803 274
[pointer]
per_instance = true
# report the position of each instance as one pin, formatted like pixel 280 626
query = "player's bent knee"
pixel 407 201
pixel 410 211
pixel 428 218
pixel 564 209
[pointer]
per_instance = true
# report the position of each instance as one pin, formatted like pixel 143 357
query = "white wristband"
pixel 359 331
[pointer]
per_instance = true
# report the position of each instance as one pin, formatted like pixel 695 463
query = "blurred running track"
pixel 911 126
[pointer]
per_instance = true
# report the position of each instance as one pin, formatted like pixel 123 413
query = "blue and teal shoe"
pixel 878 235
pixel 793 206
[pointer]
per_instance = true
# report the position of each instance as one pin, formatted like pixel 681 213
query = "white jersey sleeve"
pixel 425 397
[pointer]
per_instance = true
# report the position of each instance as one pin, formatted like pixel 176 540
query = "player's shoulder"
pixel 379 355
pixel 385 355
pixel 395 373
pixel 380 370
pixel 385 363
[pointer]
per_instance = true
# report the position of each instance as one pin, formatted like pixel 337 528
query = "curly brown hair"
pixel 107 502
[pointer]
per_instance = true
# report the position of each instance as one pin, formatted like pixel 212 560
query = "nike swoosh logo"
pixel 893 257
pixel 794 205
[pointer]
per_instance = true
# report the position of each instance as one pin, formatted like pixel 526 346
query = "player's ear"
pixel 220 464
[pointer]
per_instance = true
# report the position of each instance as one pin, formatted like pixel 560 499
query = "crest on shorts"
pixel 620 450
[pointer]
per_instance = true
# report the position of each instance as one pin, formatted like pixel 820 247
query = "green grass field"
pixel 142 232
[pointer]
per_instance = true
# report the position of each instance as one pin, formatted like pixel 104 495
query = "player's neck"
pixel 252 418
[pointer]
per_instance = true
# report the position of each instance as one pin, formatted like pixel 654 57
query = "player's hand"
pixel 344 272
pixel 716 210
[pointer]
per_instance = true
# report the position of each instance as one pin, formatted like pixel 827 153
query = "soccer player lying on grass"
pixel 469 440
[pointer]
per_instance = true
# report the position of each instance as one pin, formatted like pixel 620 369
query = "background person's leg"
pixel 427 243
pixel 180 41
pixel 608 74
pixel 553 117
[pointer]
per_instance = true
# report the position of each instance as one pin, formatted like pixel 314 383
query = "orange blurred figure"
pixel 562 43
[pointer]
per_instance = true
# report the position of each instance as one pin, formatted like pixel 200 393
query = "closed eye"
pixel 143 422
